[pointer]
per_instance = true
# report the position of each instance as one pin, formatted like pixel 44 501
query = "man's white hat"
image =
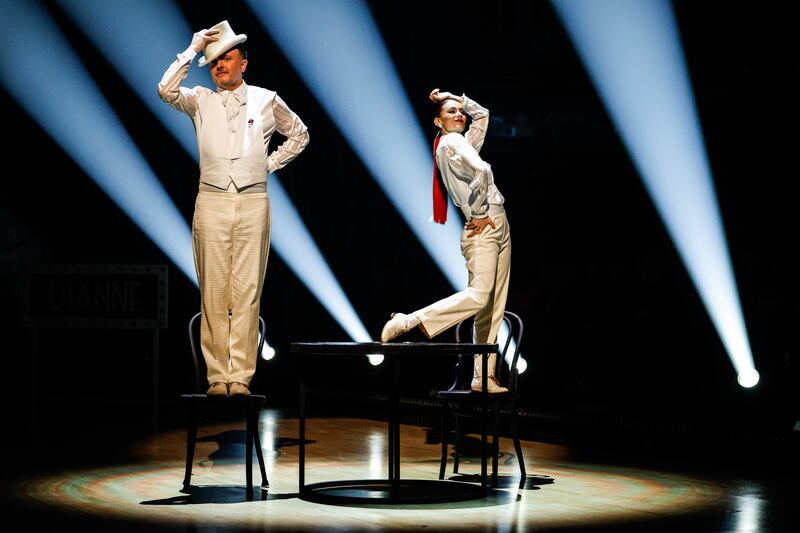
pixel 227 40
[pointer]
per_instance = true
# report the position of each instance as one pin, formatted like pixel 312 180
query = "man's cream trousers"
pixel 230 239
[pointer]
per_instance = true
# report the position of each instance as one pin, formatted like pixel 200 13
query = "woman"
pixel 485 240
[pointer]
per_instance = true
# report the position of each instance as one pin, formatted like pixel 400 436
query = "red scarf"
pixel 439 192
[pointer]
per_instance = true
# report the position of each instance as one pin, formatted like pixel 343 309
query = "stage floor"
pixel 561 492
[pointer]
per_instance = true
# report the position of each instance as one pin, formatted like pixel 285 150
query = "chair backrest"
pixel 199 362
pixel 505 370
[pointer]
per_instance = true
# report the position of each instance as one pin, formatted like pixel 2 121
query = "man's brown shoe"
pixel 239 389
pixel 217 389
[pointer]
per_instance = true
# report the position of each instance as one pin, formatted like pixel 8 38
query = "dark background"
pixel 615 328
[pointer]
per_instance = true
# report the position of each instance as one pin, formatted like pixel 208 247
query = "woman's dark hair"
pixel 438 108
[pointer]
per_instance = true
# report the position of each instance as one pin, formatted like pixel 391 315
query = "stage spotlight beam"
pixel 632 51
pixel 139 39
pixel 40 71
pixel 337 49
pixel 297 248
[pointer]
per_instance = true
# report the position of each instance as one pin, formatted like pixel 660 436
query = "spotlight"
pixel 267 352
pixel 748 378
pixel 632 51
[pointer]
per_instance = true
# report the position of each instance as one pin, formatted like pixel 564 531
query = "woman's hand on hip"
pixel 477 225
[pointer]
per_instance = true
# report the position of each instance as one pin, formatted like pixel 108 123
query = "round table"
pixel 393 489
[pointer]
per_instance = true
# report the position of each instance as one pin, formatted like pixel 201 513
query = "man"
pixel 231 226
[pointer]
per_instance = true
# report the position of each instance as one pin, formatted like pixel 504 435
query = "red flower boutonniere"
pixel 250 123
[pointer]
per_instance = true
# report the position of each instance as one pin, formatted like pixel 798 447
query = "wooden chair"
pixel 461 402
pixel 219 409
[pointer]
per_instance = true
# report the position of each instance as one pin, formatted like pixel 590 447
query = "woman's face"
pixel 451 118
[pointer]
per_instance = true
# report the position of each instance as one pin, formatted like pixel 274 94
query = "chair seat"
pixel 471 395
pixel 222 408
pixel 253 398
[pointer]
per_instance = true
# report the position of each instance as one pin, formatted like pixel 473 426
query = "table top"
pixel 391 348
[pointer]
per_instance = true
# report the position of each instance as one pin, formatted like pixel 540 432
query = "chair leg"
pixel 249 456
pixel 260 455
pixel 517 447
pixel 495 440
pixel 457 448
pixel 191 442
pixel 443 460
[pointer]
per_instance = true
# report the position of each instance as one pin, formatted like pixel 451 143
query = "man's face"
pixel 227 69
pixel 451 117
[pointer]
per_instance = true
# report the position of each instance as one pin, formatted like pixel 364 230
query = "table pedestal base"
pixel 385 491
